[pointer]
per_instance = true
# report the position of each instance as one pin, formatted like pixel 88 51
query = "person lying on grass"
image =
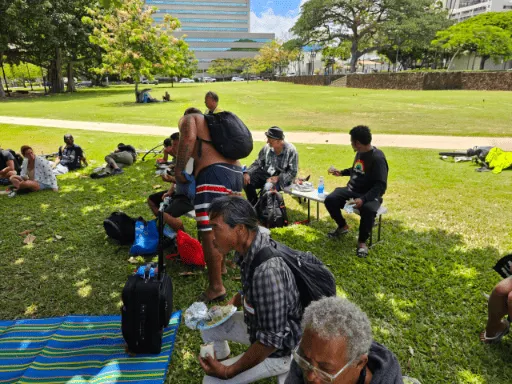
pixel 36 174
pixel 499 305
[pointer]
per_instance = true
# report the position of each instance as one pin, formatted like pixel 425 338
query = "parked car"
pixel 85 83
pixel 208 79
pixel 236 78
pixel 255 78
pixel 146 81
pixel 186 80
pixel 290 74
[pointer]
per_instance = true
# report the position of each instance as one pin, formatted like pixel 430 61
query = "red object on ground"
pixel 190 250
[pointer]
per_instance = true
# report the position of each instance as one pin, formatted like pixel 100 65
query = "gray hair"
pixel 234 210
pixel 333 317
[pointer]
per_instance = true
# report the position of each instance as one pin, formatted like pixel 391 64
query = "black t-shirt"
pixel 5 156
pixel 369 174
pixel 71 156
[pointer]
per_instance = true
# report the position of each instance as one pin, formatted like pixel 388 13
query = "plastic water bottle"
pixel 321 187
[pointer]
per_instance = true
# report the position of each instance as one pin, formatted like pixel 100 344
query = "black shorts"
pixel 178 206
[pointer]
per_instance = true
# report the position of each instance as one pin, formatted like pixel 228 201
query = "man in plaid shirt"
pixel 270 321
pixel 277 163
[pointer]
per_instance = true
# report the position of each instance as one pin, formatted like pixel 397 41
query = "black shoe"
pixel 117 171
pixel 338 232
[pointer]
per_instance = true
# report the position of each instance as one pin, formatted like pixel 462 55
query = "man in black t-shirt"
pixel 367 184
pixel 70 157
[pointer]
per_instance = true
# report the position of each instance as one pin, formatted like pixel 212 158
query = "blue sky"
pixel 280 7
pixel 276 16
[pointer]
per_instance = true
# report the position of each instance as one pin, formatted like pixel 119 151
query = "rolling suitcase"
pixel 147 303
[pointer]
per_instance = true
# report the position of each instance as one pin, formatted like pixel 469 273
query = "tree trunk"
pixel 136 92
pixel 56 73
pixel 172 82
pixel 29 77
pixel 5 79
pixel 482 62
pixel 2 92
pixel 354 57
pixel 453 58
pixel 71 81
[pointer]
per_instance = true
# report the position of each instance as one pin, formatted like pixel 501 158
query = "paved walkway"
pixel 404 141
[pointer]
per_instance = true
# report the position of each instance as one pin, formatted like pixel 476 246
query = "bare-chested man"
pixel 215 176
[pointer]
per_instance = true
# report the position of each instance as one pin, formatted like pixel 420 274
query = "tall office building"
pixel 461 10
pixel 214 29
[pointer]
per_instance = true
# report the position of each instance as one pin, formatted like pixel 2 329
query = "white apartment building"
pixel 461 10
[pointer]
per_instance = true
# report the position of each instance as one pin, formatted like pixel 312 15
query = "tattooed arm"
pixel 188 135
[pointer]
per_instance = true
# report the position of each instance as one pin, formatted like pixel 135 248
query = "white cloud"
pixel 268 22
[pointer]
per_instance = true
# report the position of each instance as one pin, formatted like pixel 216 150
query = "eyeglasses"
pixel 307 367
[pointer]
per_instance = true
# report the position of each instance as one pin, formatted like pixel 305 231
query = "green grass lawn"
pixel 292 107
pixel 421 287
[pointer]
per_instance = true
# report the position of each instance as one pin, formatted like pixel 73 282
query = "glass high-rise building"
pixel 214 29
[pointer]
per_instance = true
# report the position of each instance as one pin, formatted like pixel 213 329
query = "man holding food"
pixel 364 190
pixel 270 321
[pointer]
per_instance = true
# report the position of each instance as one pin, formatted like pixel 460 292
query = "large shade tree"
pixel 360 22
pixel 136 47
pixel 488 35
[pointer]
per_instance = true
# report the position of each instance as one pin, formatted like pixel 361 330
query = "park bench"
pixel 313 196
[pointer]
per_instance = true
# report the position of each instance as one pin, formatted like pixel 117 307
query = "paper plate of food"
pixel 217 315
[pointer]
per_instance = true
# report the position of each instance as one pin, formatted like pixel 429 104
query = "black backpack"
pixel 271 209
pixel 121 227
pixel 230 137
pixel 312 277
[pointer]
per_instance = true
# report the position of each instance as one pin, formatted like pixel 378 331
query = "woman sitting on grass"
pixel 500 305
pixel 36 174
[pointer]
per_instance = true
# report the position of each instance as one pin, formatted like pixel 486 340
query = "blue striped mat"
pixel 78 349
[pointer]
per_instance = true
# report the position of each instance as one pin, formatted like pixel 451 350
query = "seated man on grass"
pixel 337 347
pixel 69 158
pixel 368 182
pixel 124 154
pixel 270 321
pixel 277 163
pixel 8 165
pixel 179 204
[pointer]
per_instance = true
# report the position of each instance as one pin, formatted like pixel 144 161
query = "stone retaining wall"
pixel 499 81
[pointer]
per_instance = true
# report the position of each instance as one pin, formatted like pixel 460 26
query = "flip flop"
pixel 497 338
pixel 202 297
pixel 362 252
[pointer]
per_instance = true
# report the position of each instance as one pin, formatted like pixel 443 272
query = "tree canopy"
pixel 365 24
pixel 489 35
pixel 136 47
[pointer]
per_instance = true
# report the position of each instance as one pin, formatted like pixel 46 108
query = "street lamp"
pixel 313 55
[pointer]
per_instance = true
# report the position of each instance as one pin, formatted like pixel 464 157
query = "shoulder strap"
pixel 263 255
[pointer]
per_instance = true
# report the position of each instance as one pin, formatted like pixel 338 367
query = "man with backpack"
pixel 271 298
pixel 9 165
pixel 70 157
pixel 215 142
pixel 277 163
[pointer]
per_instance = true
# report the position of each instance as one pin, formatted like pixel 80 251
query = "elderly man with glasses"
pixel 337 347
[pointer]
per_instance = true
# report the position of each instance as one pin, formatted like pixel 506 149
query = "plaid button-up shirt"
pixel 272 309
pixel 286 164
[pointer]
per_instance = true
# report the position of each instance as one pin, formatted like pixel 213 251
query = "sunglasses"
pixel 323 376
